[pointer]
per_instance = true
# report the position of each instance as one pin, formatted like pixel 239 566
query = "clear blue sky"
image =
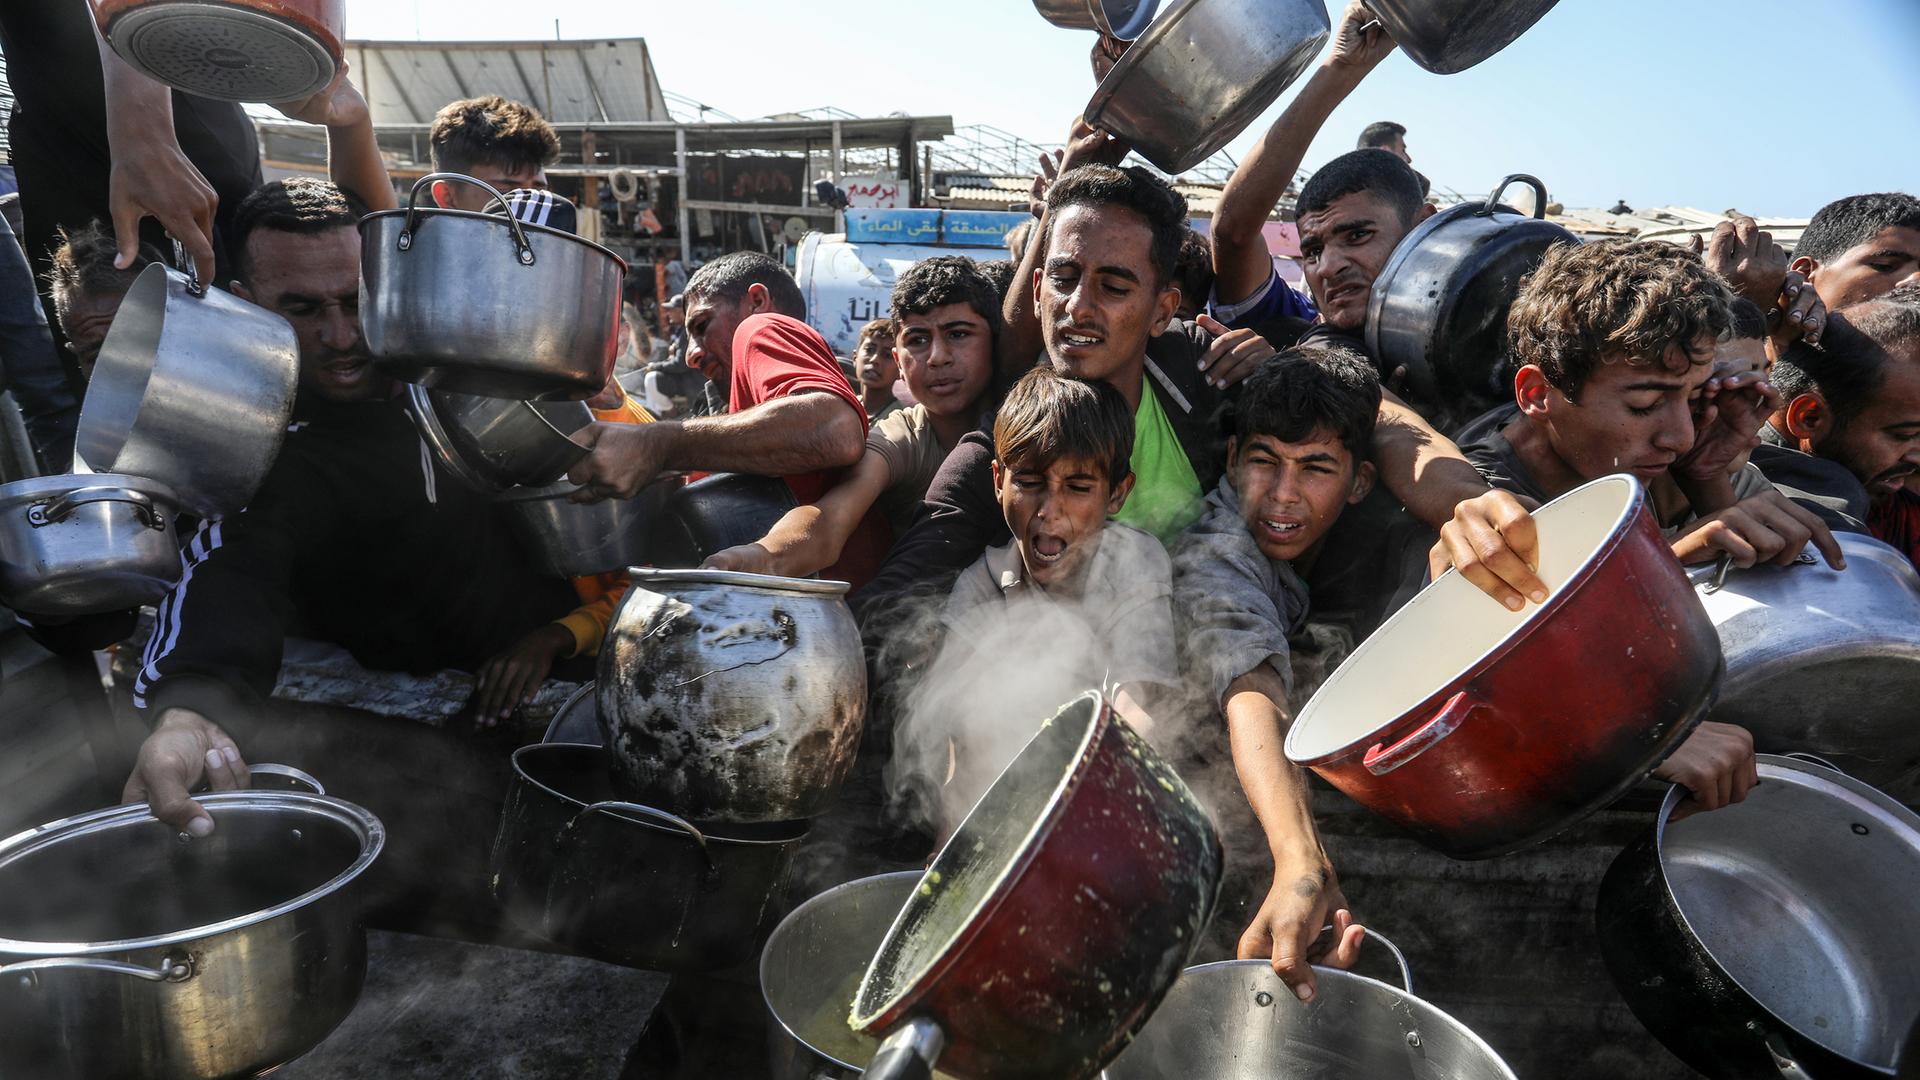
pixel 1770 106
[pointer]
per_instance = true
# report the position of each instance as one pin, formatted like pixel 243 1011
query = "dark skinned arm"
pixel 800 433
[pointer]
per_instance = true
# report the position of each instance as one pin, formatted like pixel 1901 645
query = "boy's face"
pixel 501 178
pixel 946 356
pixel 1099 297
pixel 1055 514
pixel 1292 492
pixel 1867 270
pixel 1735 356
pixel 85 317
pixel 873 361
pixel 1343 247
pixel 1629 418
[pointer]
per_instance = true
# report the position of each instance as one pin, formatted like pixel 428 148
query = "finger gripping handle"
pixel 1381 759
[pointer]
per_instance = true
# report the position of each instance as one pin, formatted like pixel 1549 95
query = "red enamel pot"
pixel 231 50
pixel 1481 730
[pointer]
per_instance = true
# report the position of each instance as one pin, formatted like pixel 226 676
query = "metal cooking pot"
pixel 486 304
pixel 1237 1021
pixel 1202 72
pixel 1439 306
pixel 1445 36
pixel 1824 660
pixel 129 949
pixel 627 883
pixel 732 697
pixel 492 444
pixel 1482 730
pixel 715 513
pixel 1050 925
pixel 194 388
pixel 577 720
pixel 81 544
pixel 569 539
pixel 1121 19
pixel 231 50
pixel 1775 936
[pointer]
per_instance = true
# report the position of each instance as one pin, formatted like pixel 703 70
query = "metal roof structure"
pixel 570 82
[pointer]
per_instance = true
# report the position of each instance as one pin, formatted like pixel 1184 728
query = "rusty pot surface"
pixel 732 697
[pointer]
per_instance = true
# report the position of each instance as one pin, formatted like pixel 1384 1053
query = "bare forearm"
pixel 800 433
pixel 354 164
pixel 1275 787
pixel 137 106
pixel 1421 467
pixel 1020 341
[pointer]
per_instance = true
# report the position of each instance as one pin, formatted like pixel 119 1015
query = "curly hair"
pixel 1308 387
pixel 491 130
pixel 1614 300
pixel 83 263
pixel 880 330
pixel 943 280
pixel 1139 191
pixel 1051 417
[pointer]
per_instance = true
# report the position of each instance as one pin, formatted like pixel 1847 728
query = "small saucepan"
pixel 86 543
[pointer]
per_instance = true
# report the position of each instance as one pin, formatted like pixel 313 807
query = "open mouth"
pixel 1046 550
pixel 1282 530
pixel 1079 339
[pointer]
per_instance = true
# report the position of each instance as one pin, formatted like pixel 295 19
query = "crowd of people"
pixel 1130 457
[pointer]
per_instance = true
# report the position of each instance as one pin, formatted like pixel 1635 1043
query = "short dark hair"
pixel 943 280
pixel 491 130
pixel 728 278
pixel 1376 172
pixel 883 329
pixel 1306 388
pixel 83 262
pixel 1137 190
pixel 1854 220
pixel 1048 417
pixel 1846 369
pixel 1193 270
pixel 299 204
pixel 1380 135
pixel 1587 304
pixel 1746 321
pixel 999 273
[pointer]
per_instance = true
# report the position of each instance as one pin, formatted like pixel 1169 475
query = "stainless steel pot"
pixel 1202 72
pixel 130 950
pixel 1439 306
pixel 1121 19
pixel 492 444
pixel 715 513
pixel 732 697
pixel 577 720
pixel 194 388
pixel 1825 660
pixel 485 304
pixel 569 539
pixel 81 544
pixel 1445 36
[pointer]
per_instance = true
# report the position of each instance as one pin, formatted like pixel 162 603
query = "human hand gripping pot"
pixel 185 749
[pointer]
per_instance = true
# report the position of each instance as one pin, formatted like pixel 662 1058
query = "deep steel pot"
pixel 577 720
pixel 1439 307
pixel 715 513
pixel 81 544
pixel 231 50
pixel 1480 730
pixel 493 444
pixel 569 539
pixel 1121 19
pixel 130 950
pixel 194 388
pixel 486 304
pixel 627 883
pixel 732 697
pixel 1050 925
pixel 1446 36
pixel 1202 72
pixel 1774 937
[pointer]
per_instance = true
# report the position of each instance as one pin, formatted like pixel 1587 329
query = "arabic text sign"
pixel 893 226
pixel 872 192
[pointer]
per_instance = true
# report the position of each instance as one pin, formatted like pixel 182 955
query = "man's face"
pixel 84 318
pixel 1881 445
pixel 467 197
pixel 1055 514
pixel 1292 492
pixel 873 362
pixel 1099 297
pixel 711 322
pixel 676 318
pixel 1867 270
pixel 313 281
pixel 1343 247
pixel 946 356
pixel 1628 418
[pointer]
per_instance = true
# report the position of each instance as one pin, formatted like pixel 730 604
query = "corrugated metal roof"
pixel 604 81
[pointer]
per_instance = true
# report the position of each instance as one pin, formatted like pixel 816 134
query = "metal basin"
pixel 569 539
pixel 492 444
pixel 81 544
pixel 1121 19
pixel 231 50
pixel 127 949
pixel 1445 36
pixel 485 304
pixel 194 388
pixel 1202 72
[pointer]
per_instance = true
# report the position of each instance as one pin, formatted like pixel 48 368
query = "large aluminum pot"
pixel 1776 936
pixel 732 697
pixel 1825 660
pixel 232 50
pixel 1445 36
pixel 1202 72
pixel 130 950
pixel 626 883
pixel 1439 306
pixel 1481 730
pixel 570 539
pixel 1120 19
pixel 81 544
pixel 486 304
pixel 1054 920
pixel 492 444
pixel 1237 1021
pixel 194 388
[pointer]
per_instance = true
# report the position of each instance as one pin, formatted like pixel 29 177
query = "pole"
pixel 686 216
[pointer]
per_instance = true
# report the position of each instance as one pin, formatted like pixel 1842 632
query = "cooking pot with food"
pixel 230 50
pixel 86 543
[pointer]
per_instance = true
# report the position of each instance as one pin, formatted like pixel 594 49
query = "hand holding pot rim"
pixel 185 749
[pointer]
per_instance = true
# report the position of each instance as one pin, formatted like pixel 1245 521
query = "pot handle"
pixel 288 772
pixel 909 1053
pixel 174 967
pixel 1382 759
pixel 660 816
pixel 520 244
pixel 1406 972
pixel 1814 759
pixel 1539 195
pixel 60 508
pixel 180 259
pixel 1783 1059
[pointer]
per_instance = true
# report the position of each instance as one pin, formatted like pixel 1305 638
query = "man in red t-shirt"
pixel 791 412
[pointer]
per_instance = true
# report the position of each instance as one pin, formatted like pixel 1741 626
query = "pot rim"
pixel 766 952
pixel 372 835
pixel 520 775
pixel 1420 713
pixel 641 575
pixel 424 212
pixel 39 488
pixel 427 419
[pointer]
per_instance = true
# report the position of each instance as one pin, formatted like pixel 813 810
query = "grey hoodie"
pixel 1235 606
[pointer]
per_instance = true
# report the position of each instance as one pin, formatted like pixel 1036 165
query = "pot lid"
pixel 670 579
